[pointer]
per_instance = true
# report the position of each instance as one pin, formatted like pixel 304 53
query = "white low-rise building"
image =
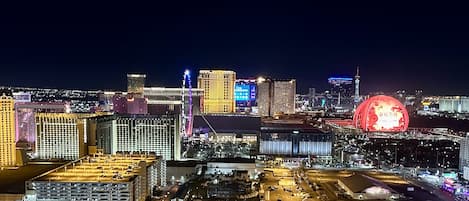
pixel 230 166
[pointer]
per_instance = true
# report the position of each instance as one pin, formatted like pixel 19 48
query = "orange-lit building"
pixel 218 86
pixel 7 131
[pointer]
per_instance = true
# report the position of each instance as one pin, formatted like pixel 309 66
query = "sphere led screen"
pixel 381 113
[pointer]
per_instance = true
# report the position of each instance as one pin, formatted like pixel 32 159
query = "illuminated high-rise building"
pixel 218 86
pixel 7 131
pixel 26 123
pixel 139 133
pixel 464 157
pixel 284 96
pixel 264 96
pixel 276 96
pixel 60 135
pixel 135 84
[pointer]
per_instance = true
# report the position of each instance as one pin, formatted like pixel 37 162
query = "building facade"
pixel 7 131
pixel 119 103
pixel 127 177
pixel 158 134
pixel 218 86
pixel 454 104
pixel 276 96
pixel 26 122
pixel 245 95
pixel 464 157
pixel 60 136
pixel 294 140
pixel 162 100
pixel 135 84
pixel 137 105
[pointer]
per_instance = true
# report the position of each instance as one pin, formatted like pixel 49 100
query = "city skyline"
pixel 200 100
pixel 310 43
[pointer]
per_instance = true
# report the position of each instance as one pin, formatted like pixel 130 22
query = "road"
pixel 294 184
pixel 283 185
pixel 434 192
pixel 328 180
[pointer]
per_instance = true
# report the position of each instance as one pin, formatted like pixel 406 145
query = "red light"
pixel 381 113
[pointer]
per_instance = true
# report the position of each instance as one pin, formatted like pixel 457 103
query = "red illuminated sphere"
pixel 381 114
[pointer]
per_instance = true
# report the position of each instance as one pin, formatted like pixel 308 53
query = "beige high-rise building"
pixel 61 135
pixel 7 131
pixel 218 88
pixel 276 96
pixel 135 84
pixel 145 133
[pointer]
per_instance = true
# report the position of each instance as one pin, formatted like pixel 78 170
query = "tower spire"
pixel 357 87
pixel 358 72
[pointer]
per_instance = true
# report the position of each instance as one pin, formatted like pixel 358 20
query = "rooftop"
pixel 99 168
pixel 217 71
pixel 232 160
pixel 228 123
pixel 187 163
pixel 358 183
pixel 136 75
pixel 302 128
pixel 12 181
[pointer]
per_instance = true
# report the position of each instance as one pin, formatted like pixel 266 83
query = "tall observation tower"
pixel 357 87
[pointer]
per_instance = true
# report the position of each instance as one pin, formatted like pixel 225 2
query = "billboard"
pixel 245 91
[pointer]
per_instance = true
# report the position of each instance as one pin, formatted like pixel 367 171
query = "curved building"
pixel 381 114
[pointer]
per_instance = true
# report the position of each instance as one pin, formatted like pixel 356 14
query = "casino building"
pixel 137 133
pixel 60 135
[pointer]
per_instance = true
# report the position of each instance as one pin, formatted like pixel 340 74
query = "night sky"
pixel 93 46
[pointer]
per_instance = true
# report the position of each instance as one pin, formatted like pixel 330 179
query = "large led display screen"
pixel 245 92
pixel 381 114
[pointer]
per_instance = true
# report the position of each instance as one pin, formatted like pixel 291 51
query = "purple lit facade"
pixel 119 103
pixel 137 106
pixel 25 121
